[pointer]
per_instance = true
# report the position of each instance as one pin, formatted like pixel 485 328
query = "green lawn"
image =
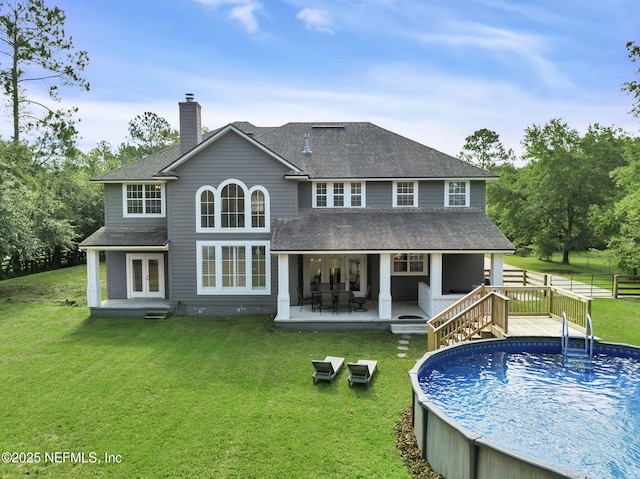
pixel 187 397
pixel 579 262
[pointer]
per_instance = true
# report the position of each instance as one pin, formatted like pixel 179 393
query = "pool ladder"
pixel 577 356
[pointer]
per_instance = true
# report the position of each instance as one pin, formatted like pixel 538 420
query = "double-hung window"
pixel 143 199
pixel 338 194
pixel 405 194
pixel 233 267
pixel 456 193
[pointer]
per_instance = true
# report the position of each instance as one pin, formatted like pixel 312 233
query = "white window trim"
pixel 217 215
pixel 467 194
pixel 425 265
pixel 163 195
pixel 395 194
pixel 219 290
pixel 346 194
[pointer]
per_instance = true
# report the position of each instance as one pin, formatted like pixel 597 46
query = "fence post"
pixel 615 286
pixel 524 277
pixel 550 300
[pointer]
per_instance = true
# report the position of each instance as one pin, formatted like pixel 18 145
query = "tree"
pixel 37 51
pixel 484 149
pixel 633 87
pixel 626 244
pixel 150 133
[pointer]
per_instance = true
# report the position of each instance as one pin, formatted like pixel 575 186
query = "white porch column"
pixel 284 302
pixel 497 269
pixel 94 294
pixel 384 300
pixel 436 275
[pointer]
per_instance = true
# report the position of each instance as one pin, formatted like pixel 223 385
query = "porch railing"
pixel 487 308
pixel 478 311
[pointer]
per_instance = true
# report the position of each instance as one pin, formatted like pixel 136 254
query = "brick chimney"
pixel 190 123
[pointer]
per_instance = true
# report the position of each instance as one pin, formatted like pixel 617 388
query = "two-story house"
pixel 240 220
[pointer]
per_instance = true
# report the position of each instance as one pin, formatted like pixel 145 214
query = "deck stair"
pixel 577 352
pixel 157 314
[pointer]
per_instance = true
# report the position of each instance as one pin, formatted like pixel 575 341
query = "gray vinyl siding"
pixel 305 195
pixel 478 194
pixel 405 288
pixel 231 157
pixel 462 272
pixel 114 213
pixel 116 263
pixel 431 194
pixel 379 194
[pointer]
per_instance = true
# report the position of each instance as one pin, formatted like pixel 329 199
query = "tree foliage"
pixel 484 149
pixel 562 198
pixel 36 51
pixel 150 133
pixel 633 87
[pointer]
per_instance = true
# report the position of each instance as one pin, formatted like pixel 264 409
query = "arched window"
pixel 207 209
pixel 232 207
pixel 257 209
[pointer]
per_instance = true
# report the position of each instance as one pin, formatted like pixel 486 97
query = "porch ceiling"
pixel 416 229
pixel 132 238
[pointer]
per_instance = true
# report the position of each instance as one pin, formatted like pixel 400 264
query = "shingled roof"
pixel 357 150
pixel 372 230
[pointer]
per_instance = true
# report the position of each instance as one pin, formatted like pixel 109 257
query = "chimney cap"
pixel 189 96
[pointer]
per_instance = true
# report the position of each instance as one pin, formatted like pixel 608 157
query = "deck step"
pixel 409 328
pixel 157 314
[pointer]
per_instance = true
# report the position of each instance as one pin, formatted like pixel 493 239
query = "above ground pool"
pixel 510 407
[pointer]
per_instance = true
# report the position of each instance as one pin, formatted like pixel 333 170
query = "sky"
pixel 433 71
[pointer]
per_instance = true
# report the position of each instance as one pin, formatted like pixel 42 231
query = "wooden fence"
pixel 626 286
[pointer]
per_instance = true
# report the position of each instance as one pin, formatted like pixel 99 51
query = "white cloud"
pixel 243 11
pixel 316 19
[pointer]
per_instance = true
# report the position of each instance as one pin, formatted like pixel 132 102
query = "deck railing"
pixel 488 308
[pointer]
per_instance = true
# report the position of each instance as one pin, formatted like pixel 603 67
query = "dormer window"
pixel 456 193
pixel 143 199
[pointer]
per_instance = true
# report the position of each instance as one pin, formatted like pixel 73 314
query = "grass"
pixel 615 320
pixel 188 397
pixel 579 262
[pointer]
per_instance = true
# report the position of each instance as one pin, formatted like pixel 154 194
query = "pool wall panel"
pixel 457 453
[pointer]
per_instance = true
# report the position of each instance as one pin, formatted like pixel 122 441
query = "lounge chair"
pixel 327 369
pixel 362 371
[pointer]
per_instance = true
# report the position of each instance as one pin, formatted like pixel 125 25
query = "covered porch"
pixel 413 264
pixel 136 271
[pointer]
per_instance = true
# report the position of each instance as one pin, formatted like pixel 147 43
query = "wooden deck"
pixel 539 326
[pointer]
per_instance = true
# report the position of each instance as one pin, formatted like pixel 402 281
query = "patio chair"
pixel 362 371
pixel 302 300
pixel 326 300
pixel 360 300
pixel 327 369
pixel 343 300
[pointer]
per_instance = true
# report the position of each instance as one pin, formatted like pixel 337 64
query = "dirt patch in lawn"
pixel 407 446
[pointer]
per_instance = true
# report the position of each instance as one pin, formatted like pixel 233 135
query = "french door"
pixel 329 269
pixel 145 275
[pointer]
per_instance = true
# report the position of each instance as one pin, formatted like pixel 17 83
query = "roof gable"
pixel 215 137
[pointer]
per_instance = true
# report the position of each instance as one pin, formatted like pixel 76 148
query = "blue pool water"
pixel 584 421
